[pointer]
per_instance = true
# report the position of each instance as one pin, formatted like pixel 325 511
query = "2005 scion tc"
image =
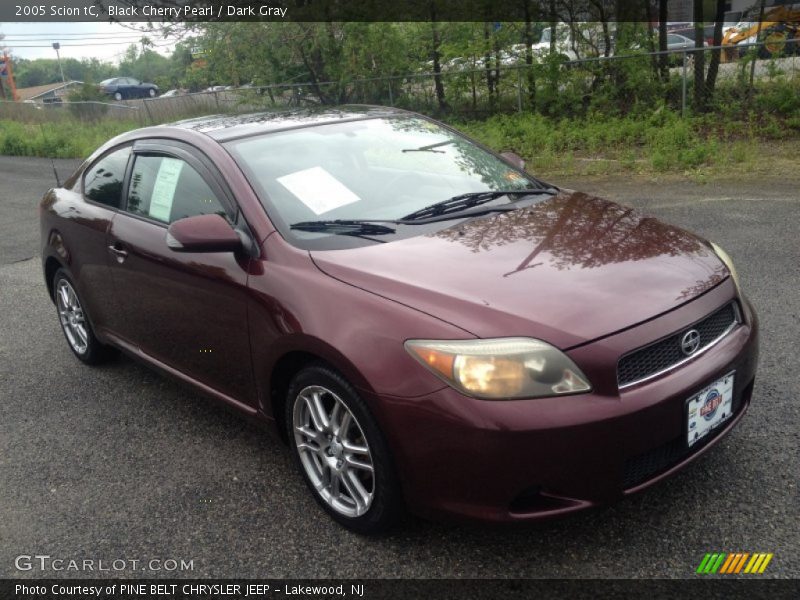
pixel 425 323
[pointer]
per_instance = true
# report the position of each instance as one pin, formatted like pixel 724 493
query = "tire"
pixel 117 96
pixel 152 92
pixel 75 322
pixel 362 500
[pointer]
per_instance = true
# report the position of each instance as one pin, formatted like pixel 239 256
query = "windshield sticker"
pixel 164 189
pixel 318 190
pixel 512 176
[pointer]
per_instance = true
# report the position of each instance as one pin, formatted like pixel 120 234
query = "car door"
pixel 114 86
pixel 127 87
pixel 187 311
pixel 135 90
pixel 119 86
pixel 83 227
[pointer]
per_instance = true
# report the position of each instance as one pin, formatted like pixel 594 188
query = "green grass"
pixel 659 143
pixel 62 139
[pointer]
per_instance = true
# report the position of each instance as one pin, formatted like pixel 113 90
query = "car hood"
pixel 568 270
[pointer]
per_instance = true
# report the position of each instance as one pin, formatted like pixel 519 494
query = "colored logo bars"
pixel 737 562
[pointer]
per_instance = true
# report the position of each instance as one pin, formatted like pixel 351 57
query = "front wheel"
pixel 75 322
pixel 340 451
pixel 117 96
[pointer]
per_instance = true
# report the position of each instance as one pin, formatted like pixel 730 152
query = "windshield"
pixel 372 169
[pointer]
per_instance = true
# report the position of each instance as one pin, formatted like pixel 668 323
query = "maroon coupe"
pixel 425 323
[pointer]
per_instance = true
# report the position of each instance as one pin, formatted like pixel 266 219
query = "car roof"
pixel 227 127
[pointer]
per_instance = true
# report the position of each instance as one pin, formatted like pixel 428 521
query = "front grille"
pixel 638 469
pixel 641 468
pixel 646 362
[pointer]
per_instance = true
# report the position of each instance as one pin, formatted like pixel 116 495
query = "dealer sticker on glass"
pixel 318 190
pixel 710 408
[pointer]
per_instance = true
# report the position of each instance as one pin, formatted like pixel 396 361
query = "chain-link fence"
pixel 470 88
pixel 45 112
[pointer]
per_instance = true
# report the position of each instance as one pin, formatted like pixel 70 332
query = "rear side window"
pixel 167 189
pixel 102 182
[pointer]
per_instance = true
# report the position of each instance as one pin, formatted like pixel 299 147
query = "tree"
pixel 663 59
pixel 435 57
pixel 528 41
pixel 146 65
pixel 699 60
pixel 713 67
pixel 42 71
pixel 88 102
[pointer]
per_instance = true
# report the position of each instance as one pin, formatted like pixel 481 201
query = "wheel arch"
pixel 51 265
pixel 291 360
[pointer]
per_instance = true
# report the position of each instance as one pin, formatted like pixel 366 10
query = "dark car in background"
pixel 122 88
pixel 422 321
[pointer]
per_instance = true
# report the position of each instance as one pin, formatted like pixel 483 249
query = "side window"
pixel 102 182
pixel 167 189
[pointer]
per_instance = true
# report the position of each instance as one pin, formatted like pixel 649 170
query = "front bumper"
pixel 533 459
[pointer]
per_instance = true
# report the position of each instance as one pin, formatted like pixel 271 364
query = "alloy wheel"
pixel 333 451
pixel 72 317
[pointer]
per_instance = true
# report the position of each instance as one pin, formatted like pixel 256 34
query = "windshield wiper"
pixel 344 227
pixel 470 200
pixel 430 147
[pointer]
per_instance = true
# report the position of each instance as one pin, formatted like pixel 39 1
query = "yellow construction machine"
pixel 781 30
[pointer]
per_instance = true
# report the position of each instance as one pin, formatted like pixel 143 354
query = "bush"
pixel 88 103
pixel 66 139
pixel 781 97
pixel 14 141
pixel 662 138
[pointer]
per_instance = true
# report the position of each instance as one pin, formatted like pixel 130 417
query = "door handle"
pixel 118 252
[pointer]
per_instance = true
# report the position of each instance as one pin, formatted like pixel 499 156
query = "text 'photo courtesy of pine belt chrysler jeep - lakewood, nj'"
pixel 426 325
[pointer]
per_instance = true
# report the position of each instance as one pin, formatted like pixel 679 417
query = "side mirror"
pixel 515 159
pixel 203 233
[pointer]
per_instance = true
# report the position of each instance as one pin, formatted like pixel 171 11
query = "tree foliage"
pixel 454 63
pixel 41 71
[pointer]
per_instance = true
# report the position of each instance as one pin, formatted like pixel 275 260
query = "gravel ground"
pixel 118 462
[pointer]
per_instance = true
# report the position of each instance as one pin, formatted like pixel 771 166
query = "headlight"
pixel 723 256
pixel 505 368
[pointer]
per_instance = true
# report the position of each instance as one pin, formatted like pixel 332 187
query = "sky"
pixel 105 41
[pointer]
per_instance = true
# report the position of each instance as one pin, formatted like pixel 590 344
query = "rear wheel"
pixel 75 322
pixel 152 92
pixel 340 451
